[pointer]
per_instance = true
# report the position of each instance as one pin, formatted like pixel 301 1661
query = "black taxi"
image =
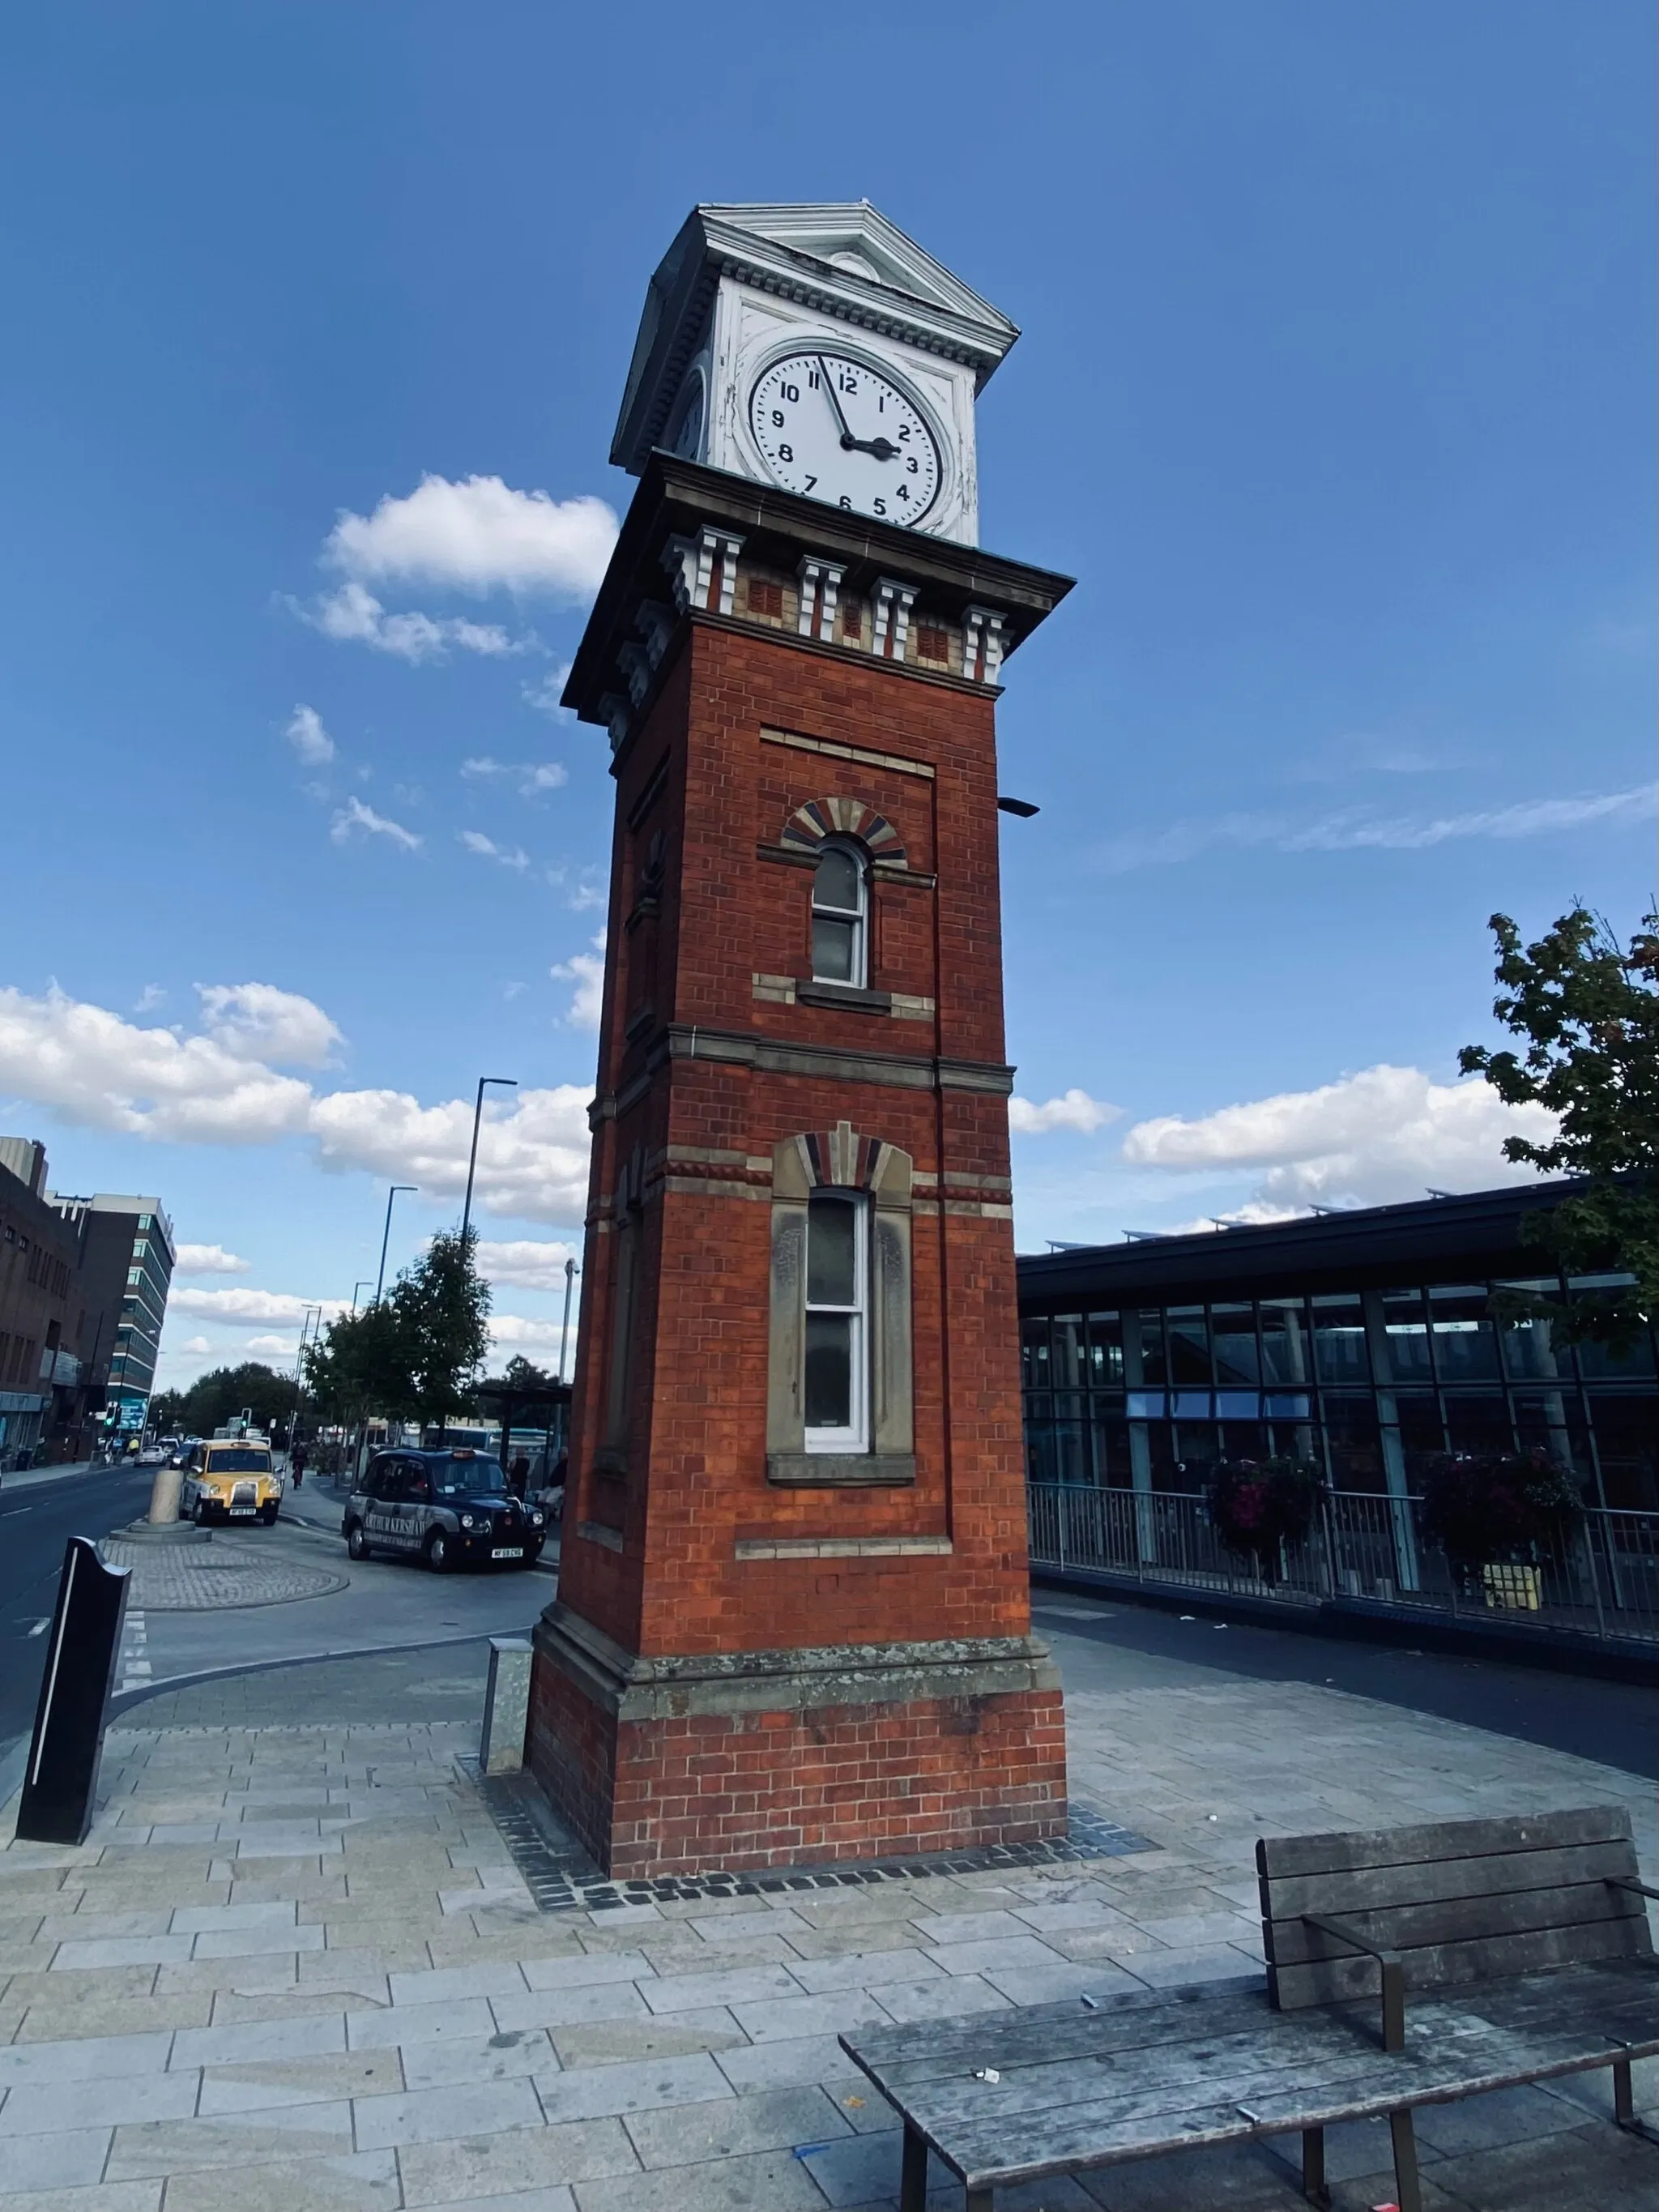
pixel 449 1508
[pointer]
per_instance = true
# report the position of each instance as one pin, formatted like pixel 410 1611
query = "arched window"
pixel 840 915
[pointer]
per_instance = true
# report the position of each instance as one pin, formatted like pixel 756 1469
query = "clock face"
pixel 836 431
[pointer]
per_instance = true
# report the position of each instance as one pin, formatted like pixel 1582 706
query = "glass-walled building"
pixel 1367 1342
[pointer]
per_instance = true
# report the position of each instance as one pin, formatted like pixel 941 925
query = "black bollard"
pixel 60 1783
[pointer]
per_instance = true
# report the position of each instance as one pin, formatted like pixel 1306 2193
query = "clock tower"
pixel 792 1624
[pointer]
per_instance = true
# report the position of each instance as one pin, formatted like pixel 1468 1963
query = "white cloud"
pixel 1072 1109
pixel 196 1345
pixel 479 535
pixel 209 1259
pixel 257 1021
pixel 308 738
pixel 532 777
pixel 586 971
pixel 509 856
pixel 273 1347
pixel 99 1071
pixel 526 1262
pixel 546 696
pixel 1382 1135
pixel 536 1340
pixel 249 1308
pixel 353 615
pixel 148 999
pixel 244 1308
pixel 1357 829
pixel 107 1074
pixel 533 1153
pixel 353 815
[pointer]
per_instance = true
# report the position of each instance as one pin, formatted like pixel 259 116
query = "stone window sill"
pixel 840 1470
pixel 847 995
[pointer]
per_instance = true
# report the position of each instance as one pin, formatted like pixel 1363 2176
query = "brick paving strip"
pixel 295 1970
pixel 209 1577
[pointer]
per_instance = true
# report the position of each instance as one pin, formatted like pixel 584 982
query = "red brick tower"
pixel 793 1622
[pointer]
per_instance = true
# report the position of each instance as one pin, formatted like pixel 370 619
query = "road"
pixel 1141 1647
pixel 36 1518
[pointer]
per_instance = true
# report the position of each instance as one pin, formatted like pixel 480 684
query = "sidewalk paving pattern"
pixel 293 1966
pixel 205 1577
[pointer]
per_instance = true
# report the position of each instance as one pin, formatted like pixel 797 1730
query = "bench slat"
pixel 1363 1889
pixel 977 2133
pixel 1444 1965
pixel 1277 1856
pixel 1042 2034
pixel 1550 2024
pixel 1407 1927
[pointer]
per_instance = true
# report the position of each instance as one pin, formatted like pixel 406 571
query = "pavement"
pixel 253 1598
pixel 295 1965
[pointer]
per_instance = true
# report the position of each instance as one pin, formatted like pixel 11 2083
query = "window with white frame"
pixel 840 915
pixel 837 1364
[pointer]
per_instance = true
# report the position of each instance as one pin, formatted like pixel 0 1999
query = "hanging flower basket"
pixel 1499 1517
pixel 1259 1506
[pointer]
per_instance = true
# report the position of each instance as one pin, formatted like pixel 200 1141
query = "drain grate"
pixel 561 1878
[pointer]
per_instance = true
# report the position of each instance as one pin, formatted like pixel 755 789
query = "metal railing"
pixel 1601 1580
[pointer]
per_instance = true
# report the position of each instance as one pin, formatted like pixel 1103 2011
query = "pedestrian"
pixel 296 1460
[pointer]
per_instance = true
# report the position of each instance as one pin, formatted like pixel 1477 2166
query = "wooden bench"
pixel 1405 1966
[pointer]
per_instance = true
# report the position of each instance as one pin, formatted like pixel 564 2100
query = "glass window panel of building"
pixel 1163 1393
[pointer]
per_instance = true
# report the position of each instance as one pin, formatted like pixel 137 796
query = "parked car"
pixel 235 1481
pixel 449 1508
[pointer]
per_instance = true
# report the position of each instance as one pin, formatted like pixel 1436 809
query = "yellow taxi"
pixel 231 1479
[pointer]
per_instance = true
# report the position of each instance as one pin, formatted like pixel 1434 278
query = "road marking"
pixel 13 1513
pixel 41 1626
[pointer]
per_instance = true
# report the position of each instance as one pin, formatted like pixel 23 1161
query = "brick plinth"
pixel 681 1767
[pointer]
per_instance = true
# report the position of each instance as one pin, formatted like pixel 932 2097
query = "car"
pixel 449 1508
pixel 152 1456
pixel 230 1481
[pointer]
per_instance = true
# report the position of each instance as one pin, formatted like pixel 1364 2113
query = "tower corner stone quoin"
pixel 783 1639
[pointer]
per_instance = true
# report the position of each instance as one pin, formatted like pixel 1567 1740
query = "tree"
pixel 442 1310
pixel 216 1398
pixel 411 1355
pixel 1589 1009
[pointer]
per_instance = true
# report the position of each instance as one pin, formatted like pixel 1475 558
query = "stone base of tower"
pixel 775 1758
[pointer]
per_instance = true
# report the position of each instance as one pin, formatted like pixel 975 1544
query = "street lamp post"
pixel 564 1333
pixel 361 1284
pixel 507 1083
pixel 386 1238
pixel 299 1374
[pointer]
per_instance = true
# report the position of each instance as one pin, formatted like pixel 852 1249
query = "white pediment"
pixel 841 260
pixel 857 238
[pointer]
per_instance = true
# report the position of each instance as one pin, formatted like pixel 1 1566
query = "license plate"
pixel 243 1512
pixel 508 1551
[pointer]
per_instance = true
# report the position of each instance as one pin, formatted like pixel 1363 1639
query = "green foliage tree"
pixel 218 1397
pixel 1589 1008
pixel 411 1355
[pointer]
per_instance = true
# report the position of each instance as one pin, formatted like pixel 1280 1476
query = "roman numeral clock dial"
pixel 836 431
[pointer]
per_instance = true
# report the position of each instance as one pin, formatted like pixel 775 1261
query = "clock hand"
pixel 883 448
pixel 846 437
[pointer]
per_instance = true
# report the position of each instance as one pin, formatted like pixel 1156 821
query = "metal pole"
pixel 362 1284
pixel 380 1284
pixel 564 1333
pixel 507 1083
pixel 299 1365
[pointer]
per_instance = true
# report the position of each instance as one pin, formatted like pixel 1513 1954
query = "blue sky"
pixel 1334 392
